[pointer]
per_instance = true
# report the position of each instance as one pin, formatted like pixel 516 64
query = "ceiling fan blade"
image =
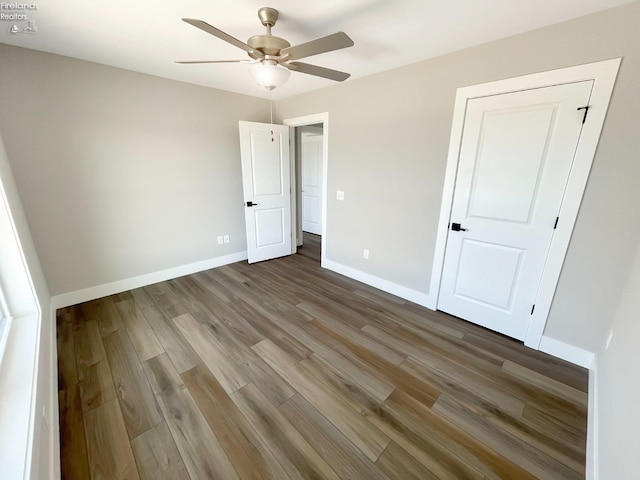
pixel 184 62
pixel 218 33
pixel 329 43
pixel 317 71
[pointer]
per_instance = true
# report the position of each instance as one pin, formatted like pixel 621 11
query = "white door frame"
pixel 301 122
pixel 604 75
pixel 306 133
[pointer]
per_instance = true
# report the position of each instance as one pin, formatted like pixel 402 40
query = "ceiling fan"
pixel 272 57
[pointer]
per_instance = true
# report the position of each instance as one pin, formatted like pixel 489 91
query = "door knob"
pixel 456 227
pixel 251 204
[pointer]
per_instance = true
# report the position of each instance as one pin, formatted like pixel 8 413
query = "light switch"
pixel 340 195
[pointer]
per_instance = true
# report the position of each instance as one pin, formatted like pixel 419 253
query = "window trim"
pixel 5 324
pixel 21 345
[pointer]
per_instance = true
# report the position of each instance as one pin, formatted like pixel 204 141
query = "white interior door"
pixel 515 159
pixel 311 165
pixel 266 181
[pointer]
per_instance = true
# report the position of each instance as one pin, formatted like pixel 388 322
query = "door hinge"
pixel 586 111
pixel 555 225
pixel 533 307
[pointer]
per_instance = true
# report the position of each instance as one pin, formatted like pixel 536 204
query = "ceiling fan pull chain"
pixel 271 112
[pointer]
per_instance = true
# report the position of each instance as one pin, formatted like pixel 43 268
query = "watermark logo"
pixel 20 17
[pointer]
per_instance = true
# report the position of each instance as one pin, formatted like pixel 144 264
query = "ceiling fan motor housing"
pixel 267 44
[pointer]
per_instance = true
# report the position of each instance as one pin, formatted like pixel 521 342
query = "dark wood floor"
pixel 283 370
pixel 311 246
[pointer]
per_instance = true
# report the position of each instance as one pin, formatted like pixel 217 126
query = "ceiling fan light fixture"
pixel 269 74
pixel 273 55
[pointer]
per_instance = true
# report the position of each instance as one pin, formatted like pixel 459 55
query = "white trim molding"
pixel 603 74
pixel 380 283
pixel 592 423
pixel 99 291
pixel 54 414
pixel 21 350
pixel 18 380
pixel 4 335
pixel 575 355
pixel 301 122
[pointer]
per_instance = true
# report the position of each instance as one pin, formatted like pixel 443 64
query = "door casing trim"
pixel 301 122
pixel 603 74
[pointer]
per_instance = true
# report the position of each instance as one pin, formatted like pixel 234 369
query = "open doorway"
pixel 308 166
pixel 309 140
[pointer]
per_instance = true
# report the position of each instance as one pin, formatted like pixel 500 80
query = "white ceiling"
pixel 148 36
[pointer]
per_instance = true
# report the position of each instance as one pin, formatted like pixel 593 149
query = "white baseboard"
pixel 592 423
pixel 99 291
pixel 567 352
pixel 380 283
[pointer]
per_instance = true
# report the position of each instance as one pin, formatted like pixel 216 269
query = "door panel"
pixel 502 188
pixel 477 258
pixel 312 183
pixel 270 227
pixel 266 164
pixel 310 167
pixel 264 151
pixel 515 159
pixel 311 212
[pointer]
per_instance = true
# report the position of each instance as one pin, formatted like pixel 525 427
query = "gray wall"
pixel 618 388
pixel 388 141
pixel 121 174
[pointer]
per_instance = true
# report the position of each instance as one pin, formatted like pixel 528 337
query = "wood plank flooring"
pixel 311 246
pixel 282 370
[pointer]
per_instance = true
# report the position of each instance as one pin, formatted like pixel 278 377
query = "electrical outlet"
pixel 220 240
pixel 340 195
pixel 609 338
pixel 365 254
pixel 226 239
